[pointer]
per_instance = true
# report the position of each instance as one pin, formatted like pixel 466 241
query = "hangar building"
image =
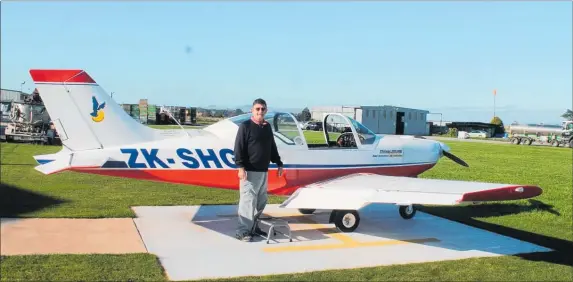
pixel 382 119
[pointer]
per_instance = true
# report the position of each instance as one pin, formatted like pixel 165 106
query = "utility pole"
pixel 494 94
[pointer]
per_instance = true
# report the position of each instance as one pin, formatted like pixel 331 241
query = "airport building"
pixel 382 119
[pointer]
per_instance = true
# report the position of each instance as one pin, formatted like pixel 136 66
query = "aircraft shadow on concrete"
pixel 467 214
pixel 379 222
pixel 15 201
pixel 494 209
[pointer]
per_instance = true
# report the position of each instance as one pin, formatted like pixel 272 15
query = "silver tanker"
pixel 538 130
pixel 526 134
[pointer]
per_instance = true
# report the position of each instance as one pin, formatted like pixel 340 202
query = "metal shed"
pixel 395 120
pixel 382 119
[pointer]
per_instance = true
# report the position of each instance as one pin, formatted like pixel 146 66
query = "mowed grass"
pixel 27 193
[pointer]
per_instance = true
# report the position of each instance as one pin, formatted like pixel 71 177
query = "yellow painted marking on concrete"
pixel 334 235
pixel 344 238
pixel 346 245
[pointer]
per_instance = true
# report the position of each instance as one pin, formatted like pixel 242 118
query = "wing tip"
pixel 507 193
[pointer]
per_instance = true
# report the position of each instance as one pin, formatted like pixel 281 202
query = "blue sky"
pixel 429 55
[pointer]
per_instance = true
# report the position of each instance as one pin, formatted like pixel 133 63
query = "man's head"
pixel 259 109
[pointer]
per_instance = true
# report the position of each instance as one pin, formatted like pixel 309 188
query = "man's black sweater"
pixel 255 147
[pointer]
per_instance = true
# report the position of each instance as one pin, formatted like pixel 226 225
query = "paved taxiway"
pixel 197 242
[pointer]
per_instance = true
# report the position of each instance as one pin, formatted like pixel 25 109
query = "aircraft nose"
pixel 443 146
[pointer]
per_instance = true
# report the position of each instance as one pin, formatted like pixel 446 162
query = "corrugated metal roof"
pixel 11 95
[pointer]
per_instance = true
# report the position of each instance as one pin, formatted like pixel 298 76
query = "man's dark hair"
pixel 260 101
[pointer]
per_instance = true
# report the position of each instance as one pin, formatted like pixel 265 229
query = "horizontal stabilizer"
pixel 63 160
pixel 53 166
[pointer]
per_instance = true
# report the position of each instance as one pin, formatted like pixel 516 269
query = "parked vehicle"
pixel 478 134
pixel 314 125
pixel 526 135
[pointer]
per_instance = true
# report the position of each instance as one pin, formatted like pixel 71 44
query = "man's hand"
pixel 242 174
pixel 280 171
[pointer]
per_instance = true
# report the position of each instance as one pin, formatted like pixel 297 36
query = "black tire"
pixel 407 212
pixel 345 221
pixel 555 143
pixel 306 211
pixel 571 143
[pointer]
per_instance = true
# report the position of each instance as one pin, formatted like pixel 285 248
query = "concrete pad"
pixel 69 236
pixel 197 242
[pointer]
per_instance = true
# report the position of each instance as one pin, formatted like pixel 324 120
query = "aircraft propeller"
pixel 447 154
pixel 454 158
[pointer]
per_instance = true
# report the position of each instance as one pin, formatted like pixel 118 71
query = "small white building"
pixel 382 119
pixel 317 112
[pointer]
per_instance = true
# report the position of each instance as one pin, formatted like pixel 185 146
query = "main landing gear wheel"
pixel 407 212
pixel 345 221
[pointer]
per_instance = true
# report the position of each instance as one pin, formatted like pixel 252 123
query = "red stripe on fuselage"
pixel 61 76
pixel 227 178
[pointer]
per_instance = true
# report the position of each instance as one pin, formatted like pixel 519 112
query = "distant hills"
pixel 247 108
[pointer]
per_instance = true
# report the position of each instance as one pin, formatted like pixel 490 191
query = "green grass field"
pixel 545 220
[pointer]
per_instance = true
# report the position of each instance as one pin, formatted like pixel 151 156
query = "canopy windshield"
pixel 284 125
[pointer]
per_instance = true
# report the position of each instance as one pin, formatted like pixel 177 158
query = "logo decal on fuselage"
pixel 97 110
pixel 389 154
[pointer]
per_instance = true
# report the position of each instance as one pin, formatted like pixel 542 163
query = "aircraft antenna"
pixel 164 110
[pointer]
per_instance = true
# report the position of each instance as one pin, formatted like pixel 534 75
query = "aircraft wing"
pixel 357 190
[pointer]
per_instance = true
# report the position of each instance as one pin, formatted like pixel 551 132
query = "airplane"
pixel 351 168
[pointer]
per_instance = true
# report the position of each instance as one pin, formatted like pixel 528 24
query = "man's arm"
pixel 275 157
pixel 239 150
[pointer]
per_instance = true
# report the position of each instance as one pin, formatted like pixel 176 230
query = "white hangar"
pixel 381 119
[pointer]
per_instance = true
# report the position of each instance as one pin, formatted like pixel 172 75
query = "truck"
pixel 26 121
pixel 554 136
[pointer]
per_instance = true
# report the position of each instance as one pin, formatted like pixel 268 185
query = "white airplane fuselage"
pixel 205 158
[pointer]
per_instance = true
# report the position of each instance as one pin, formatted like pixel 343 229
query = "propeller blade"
pixel 454 158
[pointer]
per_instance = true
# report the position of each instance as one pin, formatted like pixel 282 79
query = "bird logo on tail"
pixel 97 113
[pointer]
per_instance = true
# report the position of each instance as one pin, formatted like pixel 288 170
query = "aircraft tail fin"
pixel 83 114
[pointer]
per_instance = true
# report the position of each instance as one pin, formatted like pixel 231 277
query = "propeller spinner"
pixel 448 154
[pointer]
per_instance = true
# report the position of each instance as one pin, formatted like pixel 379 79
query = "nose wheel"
pixel 407 212
pixel 345 220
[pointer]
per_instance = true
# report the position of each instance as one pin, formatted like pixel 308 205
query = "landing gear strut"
pixel 348 220
pixel 345 220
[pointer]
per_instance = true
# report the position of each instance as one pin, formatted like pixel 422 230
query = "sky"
pixel 446 57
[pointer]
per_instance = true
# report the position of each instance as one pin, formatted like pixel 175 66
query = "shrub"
pixel 452 132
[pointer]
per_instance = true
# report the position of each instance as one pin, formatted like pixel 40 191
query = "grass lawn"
pixel 546 220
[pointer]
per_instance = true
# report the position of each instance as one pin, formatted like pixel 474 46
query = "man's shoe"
pixel 244 237
pixel 260 232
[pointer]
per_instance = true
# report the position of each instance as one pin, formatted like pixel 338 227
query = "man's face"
pixel 259 112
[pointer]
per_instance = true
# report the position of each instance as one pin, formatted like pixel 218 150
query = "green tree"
pixel 305 115
pixel 568 115
pixel 499 129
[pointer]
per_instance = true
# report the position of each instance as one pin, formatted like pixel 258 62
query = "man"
pixel 255 148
